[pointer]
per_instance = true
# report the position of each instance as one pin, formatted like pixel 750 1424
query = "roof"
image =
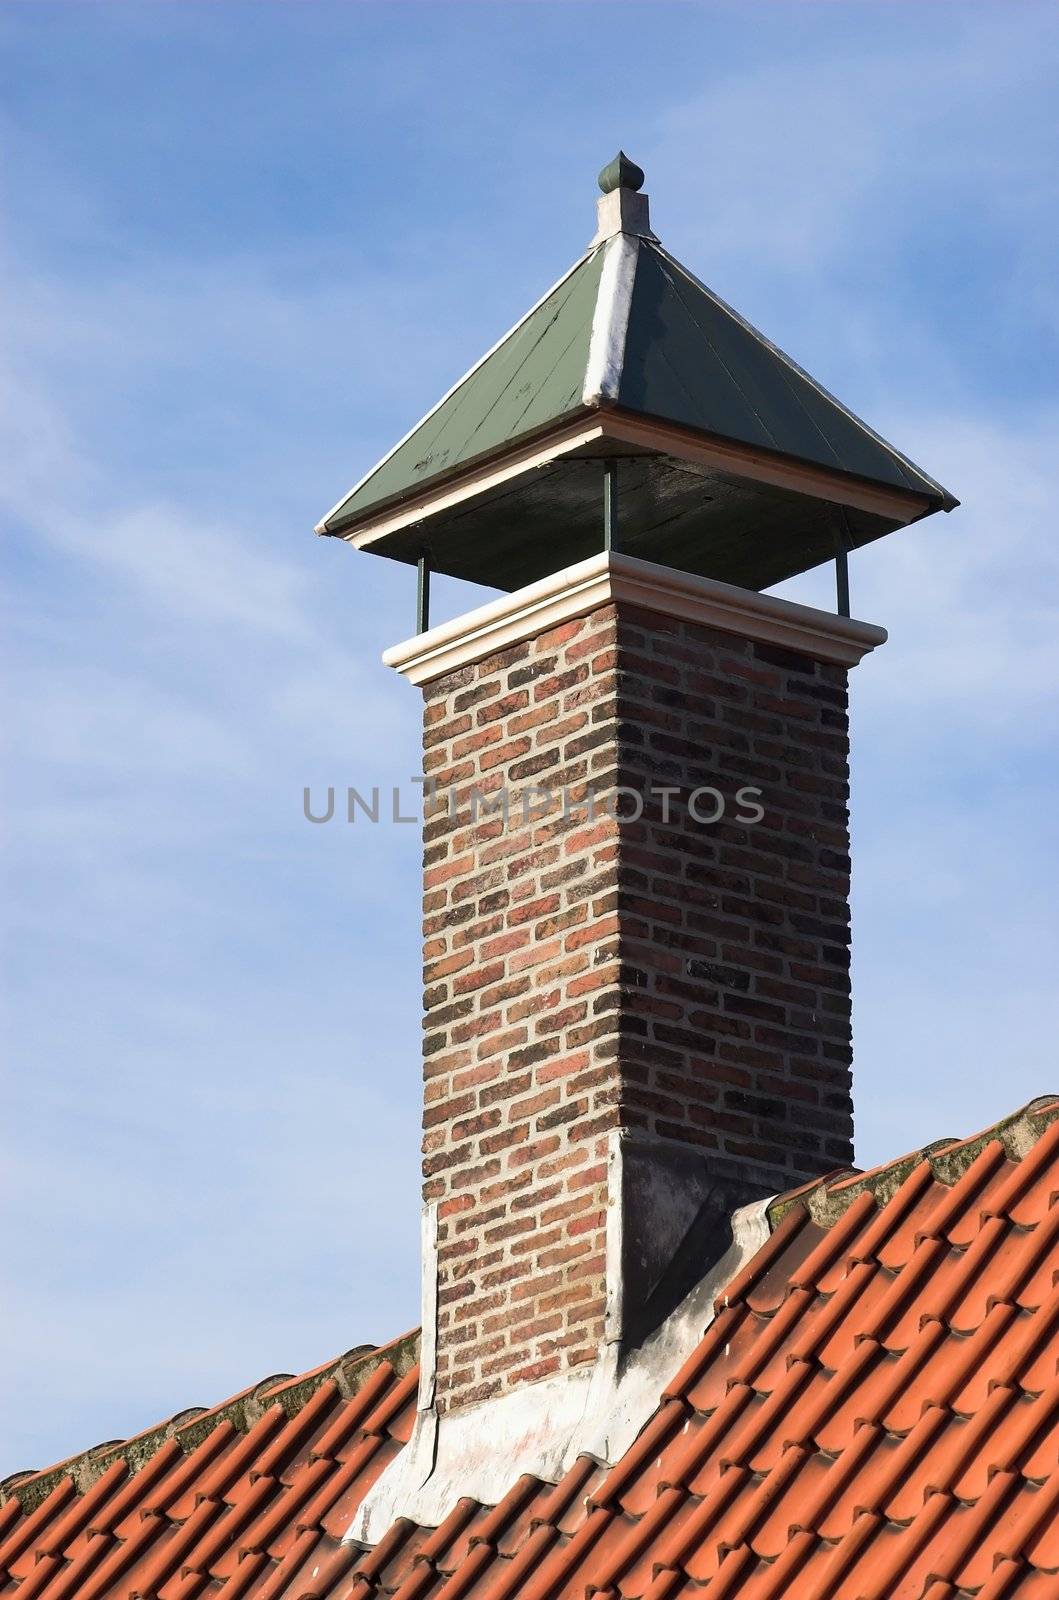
pixel 873 1414
pixel 228 1500
pixel 629 327
pixel 533 377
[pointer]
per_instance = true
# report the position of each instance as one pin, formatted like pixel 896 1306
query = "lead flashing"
pixel 542 1428
pixel 611 579
pixel 610 322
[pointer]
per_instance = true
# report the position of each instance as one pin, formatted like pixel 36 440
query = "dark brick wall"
pixel 687 980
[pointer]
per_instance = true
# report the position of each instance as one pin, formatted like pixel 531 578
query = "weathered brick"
pixel 592 970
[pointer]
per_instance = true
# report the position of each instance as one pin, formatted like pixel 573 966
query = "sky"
pixel 245 247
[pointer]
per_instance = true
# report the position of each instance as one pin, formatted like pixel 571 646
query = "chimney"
pixel 636 847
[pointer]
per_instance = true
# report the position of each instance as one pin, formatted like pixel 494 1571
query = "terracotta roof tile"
pixel 223 1501
pixel 873 1414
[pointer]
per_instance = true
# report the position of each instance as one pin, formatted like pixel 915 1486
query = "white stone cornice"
pixel 609 579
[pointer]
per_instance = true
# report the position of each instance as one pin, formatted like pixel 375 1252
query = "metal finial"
pixel 621 173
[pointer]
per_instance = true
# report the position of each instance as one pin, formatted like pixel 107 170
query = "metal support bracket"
pixel 423 593
pixel 610 505
pixel 843 545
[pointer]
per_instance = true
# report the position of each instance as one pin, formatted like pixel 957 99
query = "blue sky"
pixel 246 247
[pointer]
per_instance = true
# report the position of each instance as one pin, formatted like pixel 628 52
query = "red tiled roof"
pixel 872 1415
pixel 233 1501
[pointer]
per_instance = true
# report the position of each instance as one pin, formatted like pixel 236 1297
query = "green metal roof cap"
pixel 628 331
pixel 533 377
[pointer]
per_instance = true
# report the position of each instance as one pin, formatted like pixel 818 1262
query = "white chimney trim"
pixel 610 577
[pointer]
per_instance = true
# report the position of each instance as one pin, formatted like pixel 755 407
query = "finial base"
pixel 622 211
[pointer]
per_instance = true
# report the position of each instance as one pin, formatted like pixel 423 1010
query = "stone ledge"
pixel 610 578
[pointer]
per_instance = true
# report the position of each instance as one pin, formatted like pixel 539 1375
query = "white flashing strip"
pixel 542 1428
pixel 610 320
pixel 610 578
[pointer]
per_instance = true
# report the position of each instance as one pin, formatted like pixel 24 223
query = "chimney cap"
pixel 621 173
pixel 733 462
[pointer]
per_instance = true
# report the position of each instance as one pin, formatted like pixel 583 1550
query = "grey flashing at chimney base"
pixel 595 1410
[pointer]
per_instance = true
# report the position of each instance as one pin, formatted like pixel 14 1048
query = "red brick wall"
pixel 684 980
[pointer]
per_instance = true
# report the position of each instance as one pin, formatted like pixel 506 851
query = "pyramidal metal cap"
pixel 631 383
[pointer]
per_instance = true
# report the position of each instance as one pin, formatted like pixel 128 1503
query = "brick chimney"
pixel 636 862
pixel 636 947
